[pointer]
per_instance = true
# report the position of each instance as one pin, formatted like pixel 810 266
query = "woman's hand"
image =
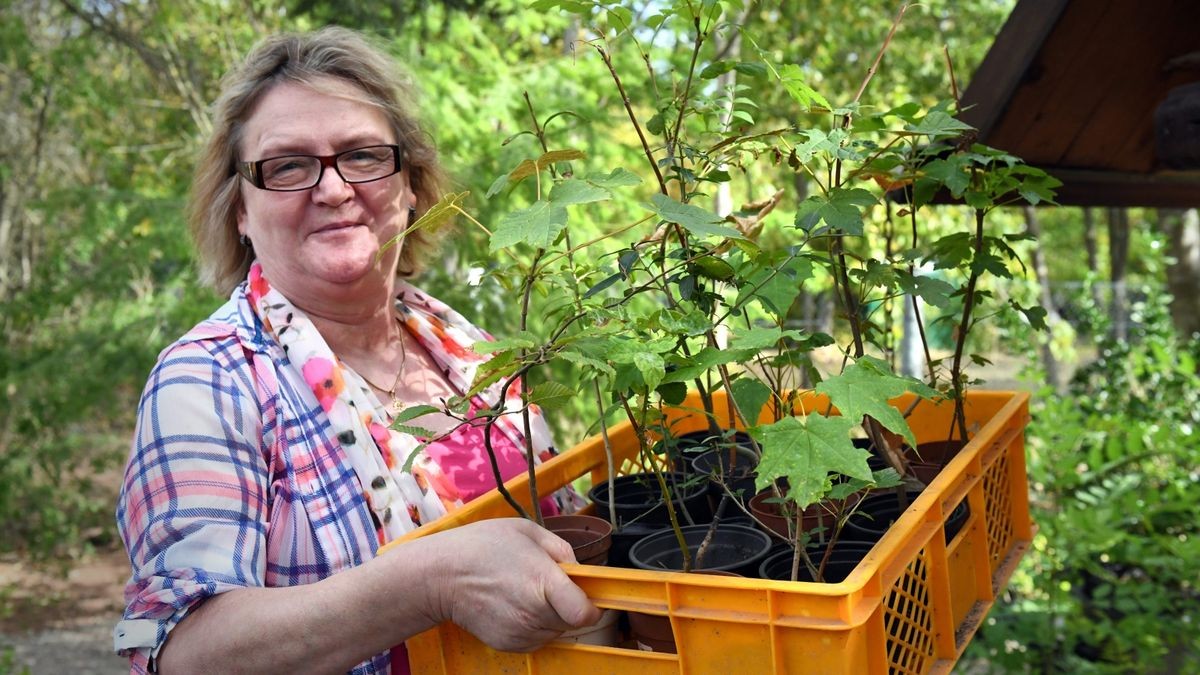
pixel 502 583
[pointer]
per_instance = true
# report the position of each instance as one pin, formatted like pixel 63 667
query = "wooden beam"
pixel 1005 64
pixel 1167 189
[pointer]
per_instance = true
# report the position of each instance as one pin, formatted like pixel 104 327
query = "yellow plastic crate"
pixel 910 607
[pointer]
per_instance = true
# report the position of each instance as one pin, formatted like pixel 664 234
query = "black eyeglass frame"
pixel 252 171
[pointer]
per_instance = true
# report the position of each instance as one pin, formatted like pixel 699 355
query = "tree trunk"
pixel 1183 274
pixel 1093 254
pixel 1118 254
pixel 1049 361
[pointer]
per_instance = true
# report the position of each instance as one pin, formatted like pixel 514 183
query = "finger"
pixel 559 549
pixel 570 602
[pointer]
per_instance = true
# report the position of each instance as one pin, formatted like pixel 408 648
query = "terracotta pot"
pixel 590 537
pixel 652 632
pixel 769 512
pixel 604 632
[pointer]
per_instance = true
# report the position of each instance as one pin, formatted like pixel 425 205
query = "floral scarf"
pixel 400 500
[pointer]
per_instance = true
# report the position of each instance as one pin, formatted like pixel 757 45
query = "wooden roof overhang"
pixel 1071 86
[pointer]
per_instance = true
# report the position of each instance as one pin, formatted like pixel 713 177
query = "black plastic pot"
pixel 842 560
pixel 734 548
pixel 641 508
pixel 685 448
pixel 877 513
pixel 737 473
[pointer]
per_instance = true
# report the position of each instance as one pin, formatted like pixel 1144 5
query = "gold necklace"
pixel 397 404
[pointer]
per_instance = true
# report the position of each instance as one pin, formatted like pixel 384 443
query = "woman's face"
pixel 319 247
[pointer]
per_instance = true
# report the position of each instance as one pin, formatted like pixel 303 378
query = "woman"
pixel 263 476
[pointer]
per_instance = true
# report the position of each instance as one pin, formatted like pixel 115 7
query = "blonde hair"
pixel 303 58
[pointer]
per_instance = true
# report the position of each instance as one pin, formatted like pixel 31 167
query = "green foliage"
pixel 1114 491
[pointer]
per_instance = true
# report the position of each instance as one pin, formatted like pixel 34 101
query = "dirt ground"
pixel 61 622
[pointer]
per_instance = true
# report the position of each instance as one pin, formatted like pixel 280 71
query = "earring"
pixel 412 215
pixel 245 241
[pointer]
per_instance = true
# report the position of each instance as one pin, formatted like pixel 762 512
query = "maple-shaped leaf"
pixel 865 387
pixel 805 451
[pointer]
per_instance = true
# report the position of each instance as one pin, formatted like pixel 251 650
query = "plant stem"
pixel 960 414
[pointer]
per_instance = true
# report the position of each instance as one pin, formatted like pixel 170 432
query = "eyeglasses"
pixel 292 173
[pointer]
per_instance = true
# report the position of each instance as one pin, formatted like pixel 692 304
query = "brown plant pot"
pixel 769 514
pixel 604 632
pixel 652 632
pixel 590 537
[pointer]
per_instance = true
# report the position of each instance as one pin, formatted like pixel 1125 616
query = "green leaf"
pixel 1036 314
pixel 694 219
pixel 865 387
pixel 934 291
pixel 498 186
pixel 718 68
pixel 938 124
pixel 776 288
pixel 438 215
pixel 712 267
pixel 842 209
pixel 550 395
pixel 616 178
pixel 750 395
pixel 792 78
pixel 586 361
pixel 951 250
pixel 953 173
pixel 805 452
pixel 413 412
pixel 672 393
pixel 574 191
pixel 539 225
pixel 522 340
pixel 703 360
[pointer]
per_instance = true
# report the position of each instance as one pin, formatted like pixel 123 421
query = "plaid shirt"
pixel 234 481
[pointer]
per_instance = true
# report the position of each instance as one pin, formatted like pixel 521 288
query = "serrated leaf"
pixel 805 452
pixel 792 78
pixel 528 167
pixel 550 395
pixel 694 219
pixel 864 388
pixel 614 179
pixel 413 412
pixel 706 359
pixel 418 432
pixel 938 124
pixel 581 359
pixel 718 68
pixel 433 219
pixel 750 395
pixel 574 191
pixel 842 209
pixel 523 340
pixel 538 226
pixel 933 291
pixel 498 185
